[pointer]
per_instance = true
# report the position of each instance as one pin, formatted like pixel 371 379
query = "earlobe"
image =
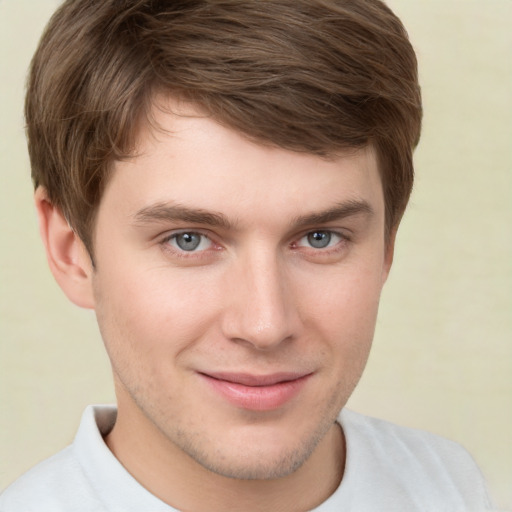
pixel 67 257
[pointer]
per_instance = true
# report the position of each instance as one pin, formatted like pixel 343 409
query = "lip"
pixel 257 392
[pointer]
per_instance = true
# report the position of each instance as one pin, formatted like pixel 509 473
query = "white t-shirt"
pixel 388 469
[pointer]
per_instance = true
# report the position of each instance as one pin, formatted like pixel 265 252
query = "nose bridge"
pixel 261 311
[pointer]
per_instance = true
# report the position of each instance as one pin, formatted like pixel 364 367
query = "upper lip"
pixel 249 379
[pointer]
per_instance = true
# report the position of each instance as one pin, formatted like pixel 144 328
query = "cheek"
pixel 343 311
pixel 151 314
pixel 347 296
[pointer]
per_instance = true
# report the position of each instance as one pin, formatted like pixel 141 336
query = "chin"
pixel 258 458
pixel 256 466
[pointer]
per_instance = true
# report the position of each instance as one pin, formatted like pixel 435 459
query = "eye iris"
pixel 188 241
pixel 319 239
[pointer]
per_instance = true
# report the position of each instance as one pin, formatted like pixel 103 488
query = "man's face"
pixel 236 290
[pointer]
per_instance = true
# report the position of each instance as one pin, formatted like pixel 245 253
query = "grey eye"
pixel 319 239
pixel 188 241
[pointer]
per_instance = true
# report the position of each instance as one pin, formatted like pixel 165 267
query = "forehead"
pixel 185 156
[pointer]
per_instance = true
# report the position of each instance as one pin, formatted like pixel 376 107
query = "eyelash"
pixel 330 234
pixel 336 250
pixel 343 239
pixel 181 253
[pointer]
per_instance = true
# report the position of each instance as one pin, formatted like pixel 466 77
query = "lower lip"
pixel 257 398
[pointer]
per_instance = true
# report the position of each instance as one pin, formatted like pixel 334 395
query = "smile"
pixel 257 393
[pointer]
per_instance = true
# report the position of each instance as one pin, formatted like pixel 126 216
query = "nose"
pixel 261 310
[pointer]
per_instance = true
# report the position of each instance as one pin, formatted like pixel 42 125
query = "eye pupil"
pixel 188 241
pixel 319 239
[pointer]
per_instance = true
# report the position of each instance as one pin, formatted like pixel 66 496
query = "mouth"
pixel 257 392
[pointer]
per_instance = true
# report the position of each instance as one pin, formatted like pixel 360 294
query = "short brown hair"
pixel 317 76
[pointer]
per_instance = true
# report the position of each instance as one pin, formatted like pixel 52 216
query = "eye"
pixel 320 239
pixel 189 241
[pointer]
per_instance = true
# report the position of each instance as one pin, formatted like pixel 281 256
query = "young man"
pixel 222 181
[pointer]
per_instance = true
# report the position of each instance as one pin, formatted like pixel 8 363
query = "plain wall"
pixel 442 358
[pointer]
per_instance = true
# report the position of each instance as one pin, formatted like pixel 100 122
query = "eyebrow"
pixel 175 212
pixel 166 212
pixel 340 211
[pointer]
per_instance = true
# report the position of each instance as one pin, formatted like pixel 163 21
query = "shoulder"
pixel 391 440
pixel 41 489
pixel 425 466
pixel 62 482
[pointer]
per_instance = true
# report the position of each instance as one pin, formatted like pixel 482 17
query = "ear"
pixel 389 251
pixel 67 256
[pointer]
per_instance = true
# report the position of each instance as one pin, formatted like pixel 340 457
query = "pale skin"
pixel 217 256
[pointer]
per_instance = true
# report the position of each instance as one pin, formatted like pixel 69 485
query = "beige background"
pixel 442 358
